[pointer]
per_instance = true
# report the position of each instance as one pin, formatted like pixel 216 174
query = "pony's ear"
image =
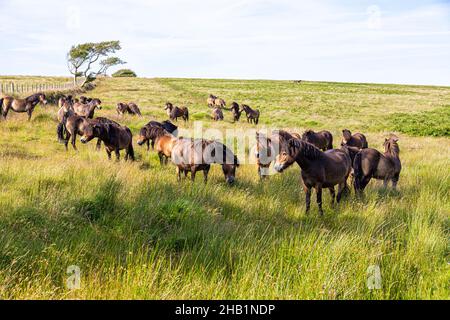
pixel 394 138
pixel 236 161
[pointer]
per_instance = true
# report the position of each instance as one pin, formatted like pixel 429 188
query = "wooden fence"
pixel 19 88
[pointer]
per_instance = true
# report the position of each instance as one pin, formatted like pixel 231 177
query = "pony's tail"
pixel 357 171
pixel 130 149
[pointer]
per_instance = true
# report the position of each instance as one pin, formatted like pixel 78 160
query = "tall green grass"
pixel 135 232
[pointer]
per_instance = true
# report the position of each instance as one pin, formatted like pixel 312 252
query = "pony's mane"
pixel 304 148
pixel 392 147
pixel 34 96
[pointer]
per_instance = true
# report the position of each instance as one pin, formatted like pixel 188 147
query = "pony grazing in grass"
pixel 193 155
pixel 357 140
pixel 176 112
pixel 87 110
pixel 322 139
pixel 161 140
pixel 268 148
pixel 21 105
pixel 252 115
pixel 114 136
pixel 370 163
pixel 318 169
pixel 130 108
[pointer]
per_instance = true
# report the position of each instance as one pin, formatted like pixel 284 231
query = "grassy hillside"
pixel 137 233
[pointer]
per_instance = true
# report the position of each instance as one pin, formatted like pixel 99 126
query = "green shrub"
pixel 124 73
pixel 427 123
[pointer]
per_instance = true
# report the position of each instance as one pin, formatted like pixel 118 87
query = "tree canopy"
pixel 91 59
pixel 124 73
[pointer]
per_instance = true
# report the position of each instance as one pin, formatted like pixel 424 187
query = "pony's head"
pixel 42 98
pixel 92 131
pixel 347 136
pixel 391 146
pixel 169 106
pixel 96 103
pixel 143 136
pixel 287 154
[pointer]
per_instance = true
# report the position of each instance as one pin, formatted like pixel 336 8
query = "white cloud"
pixel 236 38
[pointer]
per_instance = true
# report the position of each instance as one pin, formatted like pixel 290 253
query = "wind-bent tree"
pixel 83 60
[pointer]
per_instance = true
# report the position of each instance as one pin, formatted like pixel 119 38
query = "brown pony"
pixel 252 115
pixel 114 136
pixel 357 140
pixel 161 140
pixel 370 163
pixel 193 155
pixel 318 169
pixel 69 127
pixel 235 110
pixel 268 148
pixel 217 114
pixel 21 105
pixel 130 108
pixel 322 139
pixel 175 112
pixel 65 109
pixel 87 110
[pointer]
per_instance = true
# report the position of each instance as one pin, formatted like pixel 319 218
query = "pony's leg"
pixel 342 186
pixel 307 198
pixel 160 155
pixel 319 198
pixel 108 152
pixel 148 145
pixel 178 174
pixel 29 112
pixel 333 194
pixel 193 172
pixel 395 181
pixel 117 152
pixel 205 175
pixel 74 140
pixel 5 110
pixel 99 145
pixel 66 141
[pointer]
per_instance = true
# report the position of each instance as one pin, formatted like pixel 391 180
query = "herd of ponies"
pixel 322 166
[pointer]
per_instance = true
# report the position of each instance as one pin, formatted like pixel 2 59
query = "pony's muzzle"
pixel 83 140
pixel 278 167
pixel 230 180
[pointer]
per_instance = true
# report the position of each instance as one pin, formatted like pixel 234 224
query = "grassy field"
pixel 135 233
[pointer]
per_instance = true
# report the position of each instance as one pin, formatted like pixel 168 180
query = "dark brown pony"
pixel 102 120
pixel 318 169
pixel 217 114
pixel 357 140
pixel 322 139
pixel 148 136
pixel 21 105
pixel 268 148
pixel 87 110
pixel 252 115
pixel 193 155
pixel 130 108
pixel 370 163
pixel 175 112
pixel 235 110
pixel 114 136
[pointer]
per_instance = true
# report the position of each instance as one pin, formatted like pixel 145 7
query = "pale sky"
pixel 355 41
